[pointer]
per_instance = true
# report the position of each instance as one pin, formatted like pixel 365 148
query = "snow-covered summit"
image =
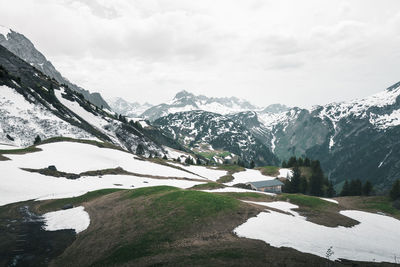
pixel 126 108
pixel 382 109
pixel 186 101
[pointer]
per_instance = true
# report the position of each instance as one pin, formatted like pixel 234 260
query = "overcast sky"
pixel 292 52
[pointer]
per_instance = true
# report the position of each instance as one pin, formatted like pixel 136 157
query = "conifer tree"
pixel 140 149
pixel 395 191
pixel 317 179
pixel 252 164
pixel 284 164
pixel 330 192
pixel 303 187
pixel 345 189
pixel 37 140
pixel 292 162
pixel 295 181
pixel 367 188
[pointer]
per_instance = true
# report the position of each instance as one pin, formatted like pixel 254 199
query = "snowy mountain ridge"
pixel 22 47
pixel 185 101
pixel 32 104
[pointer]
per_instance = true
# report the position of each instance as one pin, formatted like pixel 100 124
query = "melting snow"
pixel 330 200
pixel 374 239
pixel 75 218
pixel 18 185
pixel 248 176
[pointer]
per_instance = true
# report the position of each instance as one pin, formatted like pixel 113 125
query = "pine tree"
pixel 307 162
pixel 295 180
pixel 345 189
pixel 330 192
pixel 37 140
pixel 300 162
pixel 165 157
pixel 284 164
pixel 367 188
pixel 317 179
pixel 395 191
pixel 303 187
pixel 292 162
pixel 140 149
pixel 355 188
pixel 252 164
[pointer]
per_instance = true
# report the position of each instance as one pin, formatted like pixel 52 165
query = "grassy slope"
pixel 169 226
pixel 269 170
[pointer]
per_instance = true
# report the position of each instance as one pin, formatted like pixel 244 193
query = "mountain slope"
pixel 24 48
pixel 33 104
pixel 355 139
pixel 200 129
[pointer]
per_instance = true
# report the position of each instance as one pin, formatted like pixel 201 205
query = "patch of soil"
pixel 3 158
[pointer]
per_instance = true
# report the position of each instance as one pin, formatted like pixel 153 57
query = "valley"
pixel 196 181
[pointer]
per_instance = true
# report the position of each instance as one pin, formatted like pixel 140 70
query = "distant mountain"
pixel 32 104
pixel 211 133
pixel 131 110
pixel 24 48
pixel 275 108
pixel 355 139
pixel 185 101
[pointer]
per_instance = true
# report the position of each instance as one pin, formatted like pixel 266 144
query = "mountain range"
pixel 357 139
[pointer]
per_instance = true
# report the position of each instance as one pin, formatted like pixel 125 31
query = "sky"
pixel 298 53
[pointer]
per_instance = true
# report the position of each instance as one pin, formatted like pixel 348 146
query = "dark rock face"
pixel 197 128
pixel 22 47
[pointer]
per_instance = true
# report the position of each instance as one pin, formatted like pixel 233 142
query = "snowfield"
pixel 375 239
pixel 24 120
pixel 19 185
pixel 206 172
pixel 78 157
pixel 75 218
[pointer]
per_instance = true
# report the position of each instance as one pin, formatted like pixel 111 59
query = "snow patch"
pixel 76 218
pixel 354 243
pixel 248 176
pixel 330 200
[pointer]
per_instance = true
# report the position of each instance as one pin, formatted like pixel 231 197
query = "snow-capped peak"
pixel 183 94
pixel 360 108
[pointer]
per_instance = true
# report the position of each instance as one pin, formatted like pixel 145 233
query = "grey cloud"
pixel 96 8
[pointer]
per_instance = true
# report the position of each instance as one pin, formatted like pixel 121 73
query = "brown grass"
pixel 114 221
